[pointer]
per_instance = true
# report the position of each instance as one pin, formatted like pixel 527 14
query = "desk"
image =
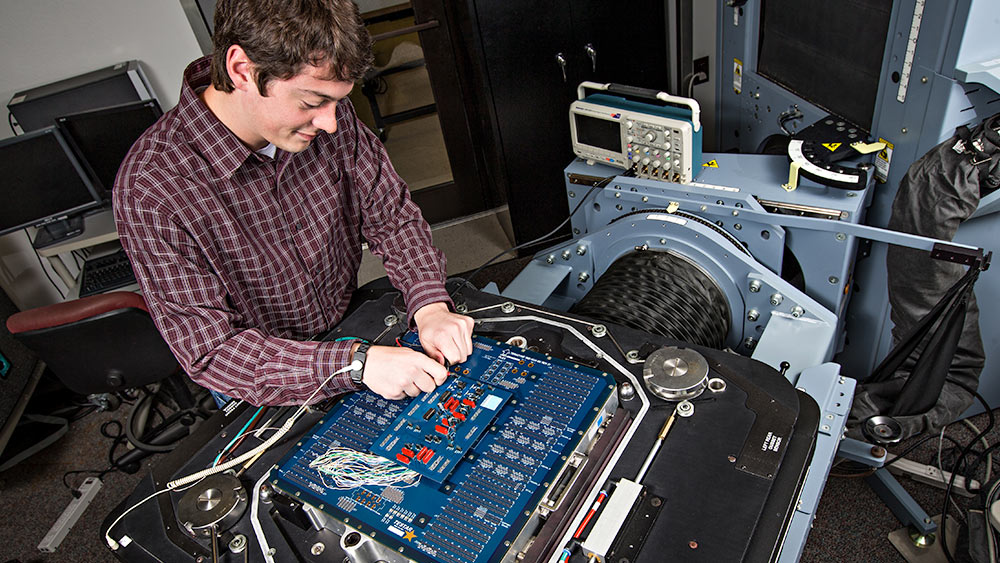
pixel 99 228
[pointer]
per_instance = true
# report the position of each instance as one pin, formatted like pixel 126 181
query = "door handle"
pixel 561 60
pixel 592 53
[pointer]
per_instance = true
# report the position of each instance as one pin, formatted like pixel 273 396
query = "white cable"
pixel 178 483
pixel 107 535
pixel 355 365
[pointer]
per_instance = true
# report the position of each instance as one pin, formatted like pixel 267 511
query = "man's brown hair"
pixel 282 36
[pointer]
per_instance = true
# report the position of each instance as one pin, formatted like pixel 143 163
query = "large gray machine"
pixel 786 264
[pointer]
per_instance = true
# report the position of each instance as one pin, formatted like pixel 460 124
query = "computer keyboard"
pixel 105 273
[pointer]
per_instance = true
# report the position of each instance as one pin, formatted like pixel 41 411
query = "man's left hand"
pixel 445 336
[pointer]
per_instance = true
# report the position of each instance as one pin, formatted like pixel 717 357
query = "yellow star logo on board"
pixel 409 535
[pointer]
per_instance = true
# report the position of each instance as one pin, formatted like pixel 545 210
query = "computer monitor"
pixel 43 183
pixel 102 137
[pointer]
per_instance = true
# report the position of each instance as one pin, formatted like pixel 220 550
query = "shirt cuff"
pixel 330 357
pixel 424 293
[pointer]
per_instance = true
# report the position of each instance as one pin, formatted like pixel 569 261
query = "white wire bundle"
pixel 350 469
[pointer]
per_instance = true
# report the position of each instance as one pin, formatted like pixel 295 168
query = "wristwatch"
pixel 360 355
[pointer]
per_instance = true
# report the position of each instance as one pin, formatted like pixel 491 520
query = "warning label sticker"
pixel 711 164
pixel 737 76
pixel 882 160
pixel 832 146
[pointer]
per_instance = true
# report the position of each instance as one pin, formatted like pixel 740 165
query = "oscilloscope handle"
pixel 645 93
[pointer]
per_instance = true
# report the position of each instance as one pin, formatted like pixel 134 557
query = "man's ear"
pixel 241 69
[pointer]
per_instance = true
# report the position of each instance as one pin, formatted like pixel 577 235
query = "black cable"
pixel 61 294
pixel 955 467
pixel 10 121
pixel 100 473
pixel 601 184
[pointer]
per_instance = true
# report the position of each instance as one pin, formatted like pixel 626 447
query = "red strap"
pixel 72 311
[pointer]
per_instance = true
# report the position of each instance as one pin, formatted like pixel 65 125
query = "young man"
pixel 242 211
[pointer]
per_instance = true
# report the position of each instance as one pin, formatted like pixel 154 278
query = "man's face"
pixel 295 110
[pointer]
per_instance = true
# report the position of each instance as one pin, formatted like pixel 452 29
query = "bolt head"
pixel 550 259
pixel 776 299
pixel 317 548
pixel 753 315
pixel 797 311
pixel 566 254
pixel 754 286
pixel 583 277
pixel 834 280
pixel 581 250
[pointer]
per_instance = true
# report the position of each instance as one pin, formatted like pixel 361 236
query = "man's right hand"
pixel 395 372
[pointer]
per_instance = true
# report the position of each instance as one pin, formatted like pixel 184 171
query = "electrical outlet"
pixel 700 65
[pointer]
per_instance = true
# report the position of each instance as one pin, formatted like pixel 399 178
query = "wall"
pixel 42 41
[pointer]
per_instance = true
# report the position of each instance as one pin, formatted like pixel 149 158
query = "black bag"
pixel 936 334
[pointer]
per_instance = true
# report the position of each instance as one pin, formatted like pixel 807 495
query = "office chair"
pixel 101 345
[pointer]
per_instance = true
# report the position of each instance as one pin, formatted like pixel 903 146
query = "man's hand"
pixel 395 373
pixel 444 336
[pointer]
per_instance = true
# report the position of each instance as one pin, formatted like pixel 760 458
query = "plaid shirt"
pixel 242 258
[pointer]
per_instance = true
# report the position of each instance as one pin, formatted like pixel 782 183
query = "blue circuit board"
pixel 436 430
pixel 479 496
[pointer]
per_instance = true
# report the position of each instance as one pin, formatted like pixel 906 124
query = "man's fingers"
pixel 425 382
pixel 440 378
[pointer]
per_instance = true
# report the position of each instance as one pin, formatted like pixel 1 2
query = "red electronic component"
pixel 428 456
pixel 468 403
pixel 444 422
pixel 402 458
pixel 459 416
pixel 407 452
pixel 441 429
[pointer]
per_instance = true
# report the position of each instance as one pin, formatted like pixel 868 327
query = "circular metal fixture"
pixel 625 391
pixel 672 373
pixel 882 429
pixel 685 408
pixel 507 307
pixel 216 503
pixel 716 385
pixel 238 544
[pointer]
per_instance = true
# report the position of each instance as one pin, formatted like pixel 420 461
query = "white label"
pixel 737 76
pixel 491 402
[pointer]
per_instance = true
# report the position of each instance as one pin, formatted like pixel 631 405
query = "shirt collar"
pixel 220 146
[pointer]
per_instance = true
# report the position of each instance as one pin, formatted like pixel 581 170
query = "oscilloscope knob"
pixel 628 124
pixel 635 158
pixel 666 145
pixel 645 161
pixel 650 136
pixel 629 138
pixel 656 164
